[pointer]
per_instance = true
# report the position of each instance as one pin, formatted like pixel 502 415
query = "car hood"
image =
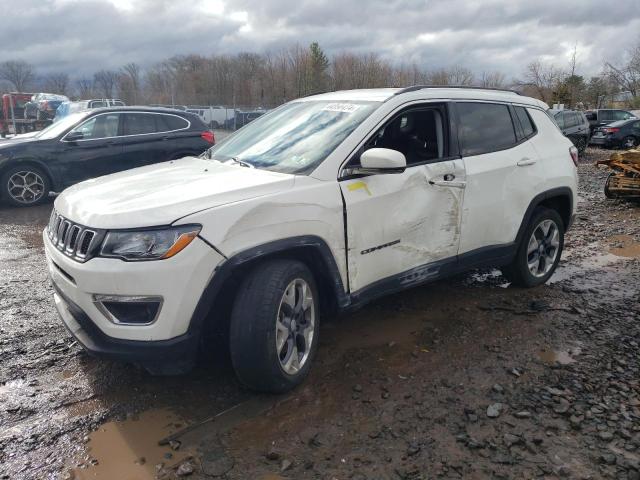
pixel 6 143
pixel 161 194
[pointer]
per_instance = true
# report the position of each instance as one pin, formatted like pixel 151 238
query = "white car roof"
pixel 427 92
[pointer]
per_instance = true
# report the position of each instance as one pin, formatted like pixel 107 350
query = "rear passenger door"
pixel 142 143
pixel 502 172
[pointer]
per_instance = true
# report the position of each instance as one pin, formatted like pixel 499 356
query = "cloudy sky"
pixel 82 36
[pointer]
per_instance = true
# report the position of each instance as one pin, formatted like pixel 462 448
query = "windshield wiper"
pixel 242 163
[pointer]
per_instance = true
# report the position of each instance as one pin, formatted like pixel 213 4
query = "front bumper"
pixel 179 280
pixel 167 357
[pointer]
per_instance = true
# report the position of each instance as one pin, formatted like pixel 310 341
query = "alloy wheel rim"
pixel 630 143
pixel 543 248
pixel 295 326
pixel 26 187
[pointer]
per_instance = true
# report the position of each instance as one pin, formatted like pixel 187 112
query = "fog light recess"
pixel 129 310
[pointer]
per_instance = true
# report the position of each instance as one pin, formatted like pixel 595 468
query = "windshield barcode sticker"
pixel 341 107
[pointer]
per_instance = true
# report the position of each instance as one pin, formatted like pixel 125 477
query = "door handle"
pixel 525 162
pixel 448 181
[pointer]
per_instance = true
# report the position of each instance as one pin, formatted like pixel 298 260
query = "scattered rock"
pixel 185 469
pixel 286 465
pixel 494 410
pixel 523 414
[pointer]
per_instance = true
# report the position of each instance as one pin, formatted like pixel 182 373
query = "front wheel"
pixel 274 326
pixel 539 250
pixel 24 186
pixel 581 145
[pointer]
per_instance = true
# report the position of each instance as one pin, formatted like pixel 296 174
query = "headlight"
pixel 155 244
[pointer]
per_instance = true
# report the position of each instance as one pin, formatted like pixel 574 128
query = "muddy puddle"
pixel 561 357
pixel 129 449
pixel 624 246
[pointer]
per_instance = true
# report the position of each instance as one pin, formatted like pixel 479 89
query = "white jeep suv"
pixel 321 205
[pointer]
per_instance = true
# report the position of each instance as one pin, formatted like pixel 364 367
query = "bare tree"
pixel 542 79
pixel 627 76
pixel 105 81
pixel 130 82
pixel 492 80
pixel 17 72
pixel 85 88
pixel 57 83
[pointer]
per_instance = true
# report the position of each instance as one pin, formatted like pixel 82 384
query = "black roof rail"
pixel 420 87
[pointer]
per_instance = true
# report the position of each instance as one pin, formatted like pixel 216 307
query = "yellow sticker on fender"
pixel 357 186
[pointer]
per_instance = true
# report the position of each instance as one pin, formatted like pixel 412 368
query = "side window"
pixel 560 120
pixel 528 129
pixel 606 115
pixel 100 126
pixel 591 116
pixel 583 119
pixel 620 115
pixel 571 120
pixel 168 123
pixel 419 134
pixel 139 123
pixel 485 127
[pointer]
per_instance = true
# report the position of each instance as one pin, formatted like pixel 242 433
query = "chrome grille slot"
pixel 63 229
pixel 86 239
pixel 72 239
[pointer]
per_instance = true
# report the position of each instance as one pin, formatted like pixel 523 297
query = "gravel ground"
pixel 464 378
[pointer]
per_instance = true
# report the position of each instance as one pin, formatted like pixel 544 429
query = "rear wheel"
pixel 25 186
pixel 629 142
pixel 539 250
pixel 273 334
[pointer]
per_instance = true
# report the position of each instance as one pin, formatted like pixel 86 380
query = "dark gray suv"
pixel 574 126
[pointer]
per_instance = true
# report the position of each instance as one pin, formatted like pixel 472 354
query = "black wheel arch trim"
pixel 562 192
pixel 17 162
pixel 228 267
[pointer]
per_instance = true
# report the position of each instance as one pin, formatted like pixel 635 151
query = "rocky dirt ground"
pixel 466 378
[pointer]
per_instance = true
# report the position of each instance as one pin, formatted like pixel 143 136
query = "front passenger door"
pixel 98 152
pixel 400 226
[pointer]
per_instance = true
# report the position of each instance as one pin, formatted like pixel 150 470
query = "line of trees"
pixel 269 79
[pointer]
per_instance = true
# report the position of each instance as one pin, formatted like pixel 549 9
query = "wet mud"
pixel 464 378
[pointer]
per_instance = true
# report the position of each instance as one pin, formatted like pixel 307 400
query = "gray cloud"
pixel 82 36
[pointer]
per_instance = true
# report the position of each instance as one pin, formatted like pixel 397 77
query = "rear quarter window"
pixel 485 127
pixel 139 124
pixel 169 123
pixel 528 128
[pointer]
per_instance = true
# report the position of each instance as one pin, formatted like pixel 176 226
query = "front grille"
pixel 72 239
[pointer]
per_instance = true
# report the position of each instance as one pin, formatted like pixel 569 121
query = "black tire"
pixel 9 189
pixel 518 272
pixel 629 142
pixel 607 191
pixel 252 330
pixel 581 145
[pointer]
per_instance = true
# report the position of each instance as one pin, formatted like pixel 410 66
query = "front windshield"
pixel 56 129
pixel 294 138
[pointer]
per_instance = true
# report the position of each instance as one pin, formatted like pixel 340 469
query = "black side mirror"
pixel 74 136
